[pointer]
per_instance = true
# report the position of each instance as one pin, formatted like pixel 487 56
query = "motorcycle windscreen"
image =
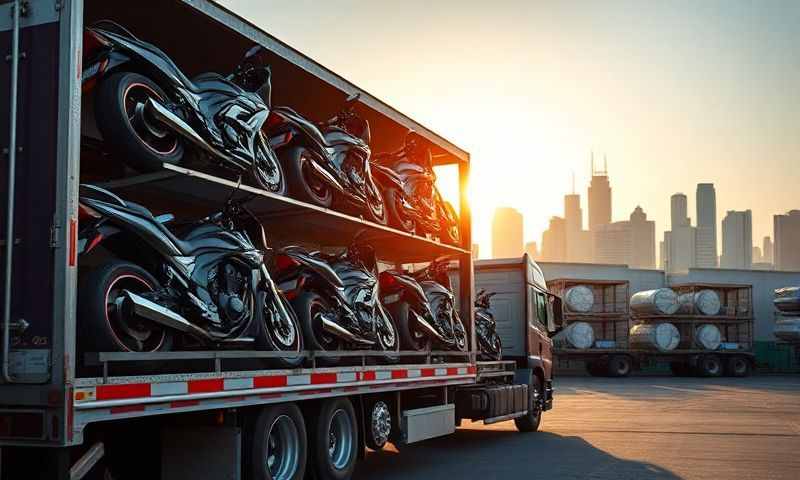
pixel 35 197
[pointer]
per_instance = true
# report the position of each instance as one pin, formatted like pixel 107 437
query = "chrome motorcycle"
pixel 147 110
pixel 489 343
pixel 140 284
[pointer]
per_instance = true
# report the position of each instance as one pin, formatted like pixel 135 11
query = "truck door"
pixel 539 343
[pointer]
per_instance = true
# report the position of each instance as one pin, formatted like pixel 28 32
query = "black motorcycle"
pixel 329 162
pixel 486 327
pixel 408 184
pixel 146 283
pixel 424 307
pixel 147 109
pixel 336 298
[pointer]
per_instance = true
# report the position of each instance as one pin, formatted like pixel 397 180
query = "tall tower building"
pixel 767 249
pixel 632 242
pixel 554 245
pixel 737 240
pixel 787 238
pixel 679 243
pixel 506 233
pixel 643 240
pixel 599 197
pixel 706 243
pixel 578 242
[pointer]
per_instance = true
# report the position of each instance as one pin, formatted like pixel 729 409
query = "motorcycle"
pixel 408 184
pixel 147 110
pixel 336 298
pixel 329 162
pixel 486 327
pixel 424 306
pixel 210 283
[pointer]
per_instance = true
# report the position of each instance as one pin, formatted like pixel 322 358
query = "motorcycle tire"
pixel 308 306
pixel 449 231
pixel 492 350
pixel 303 184
pixel 401 312
pixel 392 199
pixel 390 349
pixel 97 322
pixel 139 143
pixel 262 176
pixel 458 324
pixel 376 213
pixel 268 339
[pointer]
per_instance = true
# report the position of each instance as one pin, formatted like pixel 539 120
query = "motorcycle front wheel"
pixel 393 200
pixel 280 334
pixel 388 336
pixel 267 169
pixel 460 333
pixel 449 230
pixel 129 133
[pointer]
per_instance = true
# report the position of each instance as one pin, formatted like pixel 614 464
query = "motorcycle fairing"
pixel 315 265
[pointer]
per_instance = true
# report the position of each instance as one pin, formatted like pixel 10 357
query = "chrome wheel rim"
pixel 283 331
pixel 268 172
pixel 387 334
pixel 381 423
pixel 340 439
pixel 282 457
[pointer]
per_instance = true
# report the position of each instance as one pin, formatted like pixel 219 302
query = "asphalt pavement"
pixel 631 428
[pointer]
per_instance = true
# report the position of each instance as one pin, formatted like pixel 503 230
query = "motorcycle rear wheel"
pixel 128 133
pixel 304 185
pixel 460 333
pixel 392 200
pixel 309 307
pixel 376 207
pixel 409 338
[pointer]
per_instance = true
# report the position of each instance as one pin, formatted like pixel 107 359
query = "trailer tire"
pixel 619 366
pixel 709 366
pixel 334 440
pixel 277 435
pixel 738 366
pixel 378 420
pixel 531 421
pixel 130 140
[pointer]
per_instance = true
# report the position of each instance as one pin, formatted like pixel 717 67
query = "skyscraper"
pixel 767 249
pixel 679 243
pixel 706 242
pixel 631 242
pixel 599 198
pixel 577 240
pixel 554 246
pixel 787 239
pixel 532 249
pixel 643 240
pixel 758 257
pixel 506 233
pixel 737 240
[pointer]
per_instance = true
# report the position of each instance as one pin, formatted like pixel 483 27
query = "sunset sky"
pixel 674 92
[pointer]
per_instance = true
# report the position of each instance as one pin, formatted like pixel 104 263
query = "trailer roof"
pixel 587 281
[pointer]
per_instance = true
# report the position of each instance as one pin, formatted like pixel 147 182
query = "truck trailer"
pixel 206 413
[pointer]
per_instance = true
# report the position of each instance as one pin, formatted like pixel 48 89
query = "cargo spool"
pixel 661 301
pixel 663 337
pixel 578 335
pixel 701 302
pixel 579 299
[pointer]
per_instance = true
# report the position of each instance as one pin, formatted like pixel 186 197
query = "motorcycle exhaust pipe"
pixel 163 316
pixel 174 122
pixel 429 328
pixel 335 329
pixel 326 177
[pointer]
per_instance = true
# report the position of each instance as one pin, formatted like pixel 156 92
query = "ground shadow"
pixel 504 454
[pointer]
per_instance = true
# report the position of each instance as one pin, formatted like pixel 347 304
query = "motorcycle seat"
pixel 186 247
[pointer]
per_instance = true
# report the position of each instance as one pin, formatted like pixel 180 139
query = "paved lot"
pixel 635 428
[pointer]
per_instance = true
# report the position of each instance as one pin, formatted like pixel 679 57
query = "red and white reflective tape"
pixel 119 394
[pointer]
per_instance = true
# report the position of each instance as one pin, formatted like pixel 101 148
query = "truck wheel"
pixel 278 449
pixel 379 424
pixel 709 366
pixel 738 366
pixel 335 440
pixel 619 366
pixel 530 422
pixel 139 141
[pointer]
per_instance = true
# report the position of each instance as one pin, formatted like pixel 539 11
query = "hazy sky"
pixel 674 92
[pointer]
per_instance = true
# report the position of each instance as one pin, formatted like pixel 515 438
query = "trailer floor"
pixel 634 428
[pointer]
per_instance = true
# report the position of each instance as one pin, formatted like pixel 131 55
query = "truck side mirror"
pixel 554 317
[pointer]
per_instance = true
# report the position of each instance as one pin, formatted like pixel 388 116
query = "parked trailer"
pixel 605 315
pixel 190 414
pixel 726 311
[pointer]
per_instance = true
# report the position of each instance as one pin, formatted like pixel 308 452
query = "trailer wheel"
pixel 738 366
pixel 619 366
pixel 530 422
pixel 335 440
pixel 278 449
pixel 378 416
pixel 710 366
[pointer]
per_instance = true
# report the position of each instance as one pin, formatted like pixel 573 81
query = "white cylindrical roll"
pixel 663 337
pixel 579 299
pixel 701 302
pixel 661 301
pixel 787 299
pixel 578 335
pixel 708 336
pixel 788 329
